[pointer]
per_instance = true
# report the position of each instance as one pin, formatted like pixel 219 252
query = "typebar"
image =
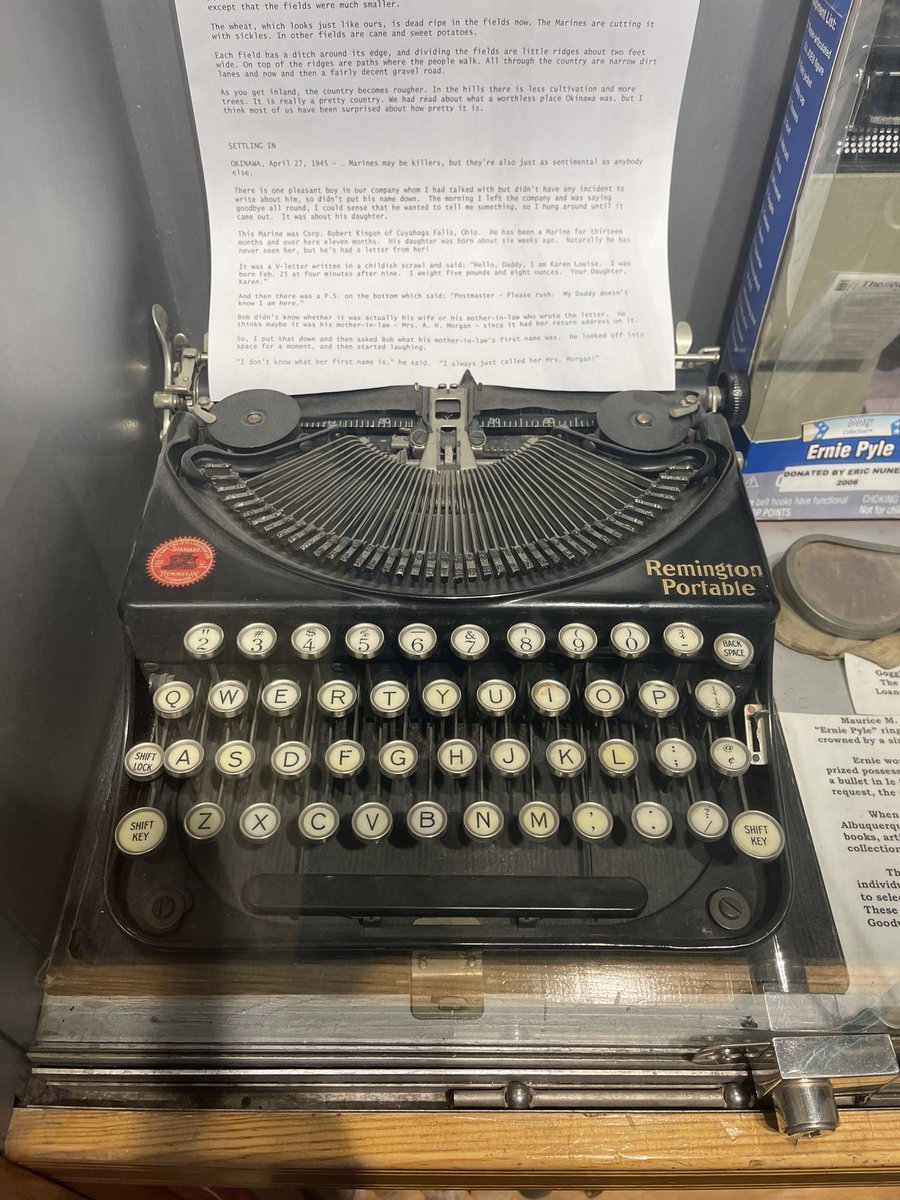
pixel 427 896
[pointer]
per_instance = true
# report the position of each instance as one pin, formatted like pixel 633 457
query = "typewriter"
pixel 461 664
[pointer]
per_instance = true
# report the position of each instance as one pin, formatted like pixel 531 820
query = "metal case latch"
pixel 446 984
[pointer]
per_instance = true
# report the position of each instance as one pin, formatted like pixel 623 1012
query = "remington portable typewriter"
pixel 458 664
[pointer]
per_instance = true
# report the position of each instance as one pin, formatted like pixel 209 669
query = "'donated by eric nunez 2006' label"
pixel 697 578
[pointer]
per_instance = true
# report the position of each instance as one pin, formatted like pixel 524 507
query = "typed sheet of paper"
pixel 399 190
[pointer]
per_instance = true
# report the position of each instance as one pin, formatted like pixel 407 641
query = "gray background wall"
pixel 102 210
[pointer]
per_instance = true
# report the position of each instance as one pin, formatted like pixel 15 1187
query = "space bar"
pixel 447 895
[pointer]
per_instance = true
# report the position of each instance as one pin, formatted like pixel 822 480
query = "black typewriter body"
pixel 580 720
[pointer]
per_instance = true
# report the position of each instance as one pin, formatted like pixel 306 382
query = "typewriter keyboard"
pixel 368 774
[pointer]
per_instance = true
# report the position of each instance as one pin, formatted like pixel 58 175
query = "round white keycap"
pixel 183 758
pixel 604 698
pixel 372 822
pixel 495 697
pixel 510 757
pixel 469 641
pixel 525 640
pixel 593 822
pixel 617 757
pixel 733 650
pixel 708 822
pixel 456 757
pixel 417 641
pixel 651 820
pixel 140 831
pixel 483 821
pixel 566 758
pixel 204 641
pixel 675 757
pixel 658 698
pixel 257 641
pixel 426 820
pixel 398 759
pixel 629 640
pixel 337 697
pixel 260 822
pixel 227 698
pixel 173 700
pixel 683 640
pixel 577 641
pixel 441 697
pixel 729 757
pixel 714 698
pixel 290 759
pixel 318 822
pixel 364 640
pixel 550 698
pixel 144 760
pixel 235 759
pixel 281 697
pixel 538 820
pixel 310 640
pixel 757 835
pixel 345 758
pixel 204 821
pixel 389 699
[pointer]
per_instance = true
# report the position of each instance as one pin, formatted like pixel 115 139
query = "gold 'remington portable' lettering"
pixel 728 578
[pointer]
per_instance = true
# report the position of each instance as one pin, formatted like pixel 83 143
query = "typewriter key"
pixel 456 757
pixel 281 697
pixel 290 759
pixel 441 697
pixel 173 700
pixel 538 820
pixel 337 697
pixel 566 758
pixel 729 757
pixel 628 640
pixel 617 757
pixel 577 641
pixel 592 822
pixel 658 698
pixel 140 831
pixel 364 641
pixel 604 698
pixel 204 641
pixel 707 822
pixel 259 822
pixel 345 758
pixel 318 822
pixel 525 640
pixel 235 759
pixel 227 698
pixel 757 835
pixel 683 640
pixel 733 650
pixel 310 641
pixel 426 820
pixel 651 820
pixel 417 641
pixel 510 757
pixel 257 641
pixel 398 759
pixel 372 822
pixel 675 757
pixel 184 758
pixel 203 822
pixel 483 821
pixel 144 761
pixel 550 698
pixel 389 699
pixel 469 641
pixel 495 697
pixel 714 698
